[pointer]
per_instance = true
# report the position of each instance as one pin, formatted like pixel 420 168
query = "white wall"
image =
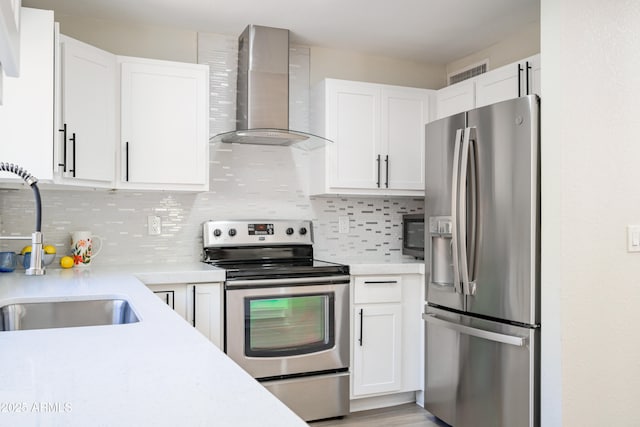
pixel 520 45
pixel 181 45
pixel 341 64
pixel 121 38
pixel 591 285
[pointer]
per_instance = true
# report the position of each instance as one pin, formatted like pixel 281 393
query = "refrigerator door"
pixel 505 138
pixel 480 373
pixel 442 138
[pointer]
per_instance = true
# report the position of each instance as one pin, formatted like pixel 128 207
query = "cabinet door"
pixel 500 84
pixel 164 125
pixel 508 82
pixel 353 114
pixel 88 112
pixel 26 113
pixel 377 354
pixel 455 99
pixel 534 65
pixel 205 310
pixel 404 115
pixel 175 296
pixel 10 40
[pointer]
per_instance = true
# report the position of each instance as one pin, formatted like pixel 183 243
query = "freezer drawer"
pixel 480 373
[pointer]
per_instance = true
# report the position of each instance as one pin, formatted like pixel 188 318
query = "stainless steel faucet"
pixel 36 268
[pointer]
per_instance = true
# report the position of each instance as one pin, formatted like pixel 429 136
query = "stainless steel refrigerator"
pixel 482 264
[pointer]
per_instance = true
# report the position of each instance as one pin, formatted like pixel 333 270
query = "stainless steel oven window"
pixel 292 325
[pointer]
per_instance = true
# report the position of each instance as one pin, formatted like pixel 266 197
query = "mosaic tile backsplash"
pixel 247 182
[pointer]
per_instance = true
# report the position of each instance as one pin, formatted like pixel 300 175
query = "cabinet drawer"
pixel 372 289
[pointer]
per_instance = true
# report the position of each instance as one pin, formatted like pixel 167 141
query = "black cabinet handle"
pixel 528 67
pixel 73 155
pixel 378 161
pixel 379 282
pixel 386 163
pixel 126 161
pixel 194 306
pixel 64 147
pixel 519 78
pixel 361 322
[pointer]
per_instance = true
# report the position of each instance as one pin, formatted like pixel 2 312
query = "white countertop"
pixel 157 372
pixel 362 266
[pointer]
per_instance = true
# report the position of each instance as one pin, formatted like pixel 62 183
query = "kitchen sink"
pixel 66 314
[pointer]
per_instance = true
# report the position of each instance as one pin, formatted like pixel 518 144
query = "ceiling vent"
pixel 469 72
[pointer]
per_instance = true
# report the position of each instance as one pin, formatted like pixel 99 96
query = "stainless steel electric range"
pixel 286 314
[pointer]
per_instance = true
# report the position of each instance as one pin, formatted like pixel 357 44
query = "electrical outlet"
pixel 154 225
pixel 343 224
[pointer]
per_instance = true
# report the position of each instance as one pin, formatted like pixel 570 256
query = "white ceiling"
pixel 435 31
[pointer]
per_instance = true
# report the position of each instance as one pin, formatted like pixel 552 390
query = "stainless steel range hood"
pixel 262 108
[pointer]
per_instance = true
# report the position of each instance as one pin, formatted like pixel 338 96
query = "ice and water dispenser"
pixel 441 250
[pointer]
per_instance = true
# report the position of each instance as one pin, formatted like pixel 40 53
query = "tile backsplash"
pixel 246 182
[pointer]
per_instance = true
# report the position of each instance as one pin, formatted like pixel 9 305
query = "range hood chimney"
pixel 262 107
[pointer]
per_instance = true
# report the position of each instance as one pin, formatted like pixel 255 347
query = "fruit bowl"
pixel 24 260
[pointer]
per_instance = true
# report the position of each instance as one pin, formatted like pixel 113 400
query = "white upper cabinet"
pixel 86 148
pixel 378 135
pixel 405 113
pixel 26 116
pixel 352 115
pixel 510 81
pixel 10 37
pixel 164 141
pixel 455 99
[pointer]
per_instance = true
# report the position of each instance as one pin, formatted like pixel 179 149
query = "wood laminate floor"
pixel 407 415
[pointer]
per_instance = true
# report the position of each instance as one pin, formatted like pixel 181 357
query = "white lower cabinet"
pixel 377 352
pixel 198 303
pixel 205 310
pixel 386 335
pixel 175 296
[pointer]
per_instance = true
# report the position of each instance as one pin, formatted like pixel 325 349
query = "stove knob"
pixel 303 231
pixel 232 232
pixel 217 232
pixel 289 231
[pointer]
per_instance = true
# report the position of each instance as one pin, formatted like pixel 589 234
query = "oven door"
pixel 289 329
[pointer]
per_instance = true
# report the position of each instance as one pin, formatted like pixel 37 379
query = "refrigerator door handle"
pixel 455 178
pixel 472 210
pixel 479 333
pixel 468 288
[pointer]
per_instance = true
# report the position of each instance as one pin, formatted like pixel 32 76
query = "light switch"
pixel 633 238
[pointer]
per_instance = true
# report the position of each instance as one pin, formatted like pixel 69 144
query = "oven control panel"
pixel 263 232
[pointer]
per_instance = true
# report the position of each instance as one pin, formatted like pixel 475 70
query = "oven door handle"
pixel 322 280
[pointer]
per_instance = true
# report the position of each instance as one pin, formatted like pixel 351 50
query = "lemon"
pixel 49 249
pixel 25 250
pixel 66 262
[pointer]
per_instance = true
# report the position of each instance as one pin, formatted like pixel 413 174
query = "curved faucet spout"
pixel 35 267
